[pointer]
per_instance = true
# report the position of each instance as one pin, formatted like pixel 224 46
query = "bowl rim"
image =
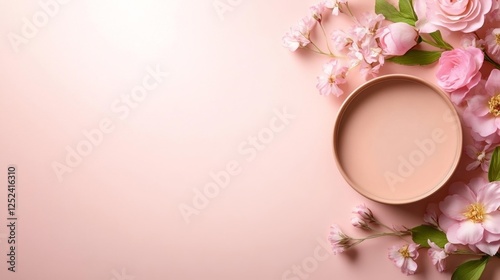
pixel 347 104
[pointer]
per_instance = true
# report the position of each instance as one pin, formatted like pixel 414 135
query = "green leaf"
pixel 391 13
pixel 406 8
pixel 436 35
pixel 417 57
pixel 494 171
pixel 470 270
pixel 422 233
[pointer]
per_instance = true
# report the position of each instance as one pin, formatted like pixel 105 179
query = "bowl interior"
pixel 397 139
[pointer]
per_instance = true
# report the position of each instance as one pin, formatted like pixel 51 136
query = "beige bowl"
pixel 397 139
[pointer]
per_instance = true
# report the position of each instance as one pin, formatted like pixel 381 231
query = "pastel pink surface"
pixel 118 210
pixel 397 139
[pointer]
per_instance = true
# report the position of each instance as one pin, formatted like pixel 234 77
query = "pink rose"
pixel 397 38
pixel 458 71
pixel 465 15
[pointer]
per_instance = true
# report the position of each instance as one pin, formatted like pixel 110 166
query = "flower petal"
pixel 490 237
pixel 469 232
pixel 451 233
pixel 465 191
pixel 491 222
pixel 454 206
pixel 493 83
pixel 489 248
pixel 445 223
pixel 489 195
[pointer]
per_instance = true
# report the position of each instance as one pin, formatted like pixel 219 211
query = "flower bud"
pixel 356 221
pixel 364 212
pixel 397 38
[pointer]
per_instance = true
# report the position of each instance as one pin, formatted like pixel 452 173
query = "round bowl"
pixel 397 139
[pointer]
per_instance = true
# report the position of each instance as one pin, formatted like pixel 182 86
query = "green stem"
pixel 432 43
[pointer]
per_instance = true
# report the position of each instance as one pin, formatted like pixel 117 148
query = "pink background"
pixel 117 213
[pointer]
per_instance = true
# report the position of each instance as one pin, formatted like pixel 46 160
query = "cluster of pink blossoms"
pixel 370 41
pixel 403 256
pixel 478 99
pixel 366 44
pixel 469 217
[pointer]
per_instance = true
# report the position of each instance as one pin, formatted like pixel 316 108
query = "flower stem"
pixel 490 60
pixel 350 12
pixel 466 252
pixel 381 234
pixel 432 43
pixel 326 38
pixel 318 52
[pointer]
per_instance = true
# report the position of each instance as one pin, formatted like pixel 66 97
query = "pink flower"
pixel 494 15
pixel 335 5
pixel 470 215
pixel 341 40
pixel 317 10
pixel 298 36
pixel 438 255
pixel 480 152
pixel 358 222
pixel 465 15
pixel 482 113
pixel 364 212
pixel 458 72
pixel 431 214
pixel 339 240
pixel 397 38
pixel 368 25
pixel 404 257
pixel 470 40
pixel 366 53
pixel 333 75
pixel 493 43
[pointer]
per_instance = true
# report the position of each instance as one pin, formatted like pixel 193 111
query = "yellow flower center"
pixel 404 251
pixel 494 105
pixel 497 39
pixel 475 212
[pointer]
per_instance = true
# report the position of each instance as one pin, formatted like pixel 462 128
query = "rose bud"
pixel 397 38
